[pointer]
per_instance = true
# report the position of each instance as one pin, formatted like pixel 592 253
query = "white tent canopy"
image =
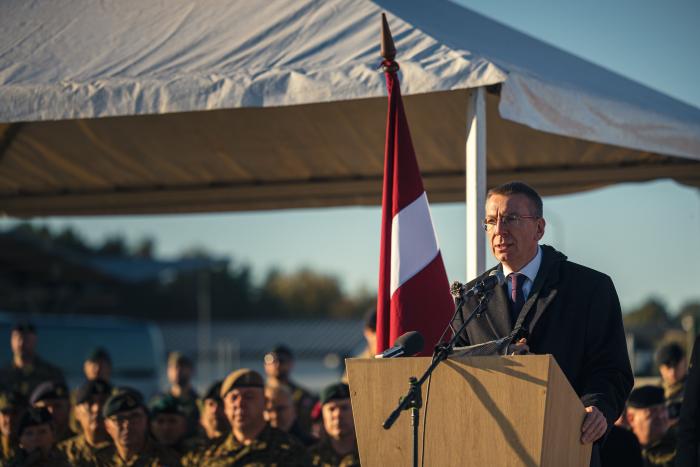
pixel 119 107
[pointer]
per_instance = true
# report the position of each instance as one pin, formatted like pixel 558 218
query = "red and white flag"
pixel 414 294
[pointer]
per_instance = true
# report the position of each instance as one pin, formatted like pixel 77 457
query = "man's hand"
pixel 519 348
pixel 594 425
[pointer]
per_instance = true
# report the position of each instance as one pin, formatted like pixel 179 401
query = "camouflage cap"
pixel 243 378
pixel 334 392
pixel 88 389
pixel 121 400
pixel 167 404
pixel 12 400
pixel 669 354
pixel 49 390
pixel 281 349
pixel 24 326
pixel 34 416
pixel 646 396
pixel 99 354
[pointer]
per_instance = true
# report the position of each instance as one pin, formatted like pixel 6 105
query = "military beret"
pixel 99 354
pixel 670 354
pixel 12 400
pixel 121 400
pixel 49 390
pixel 167 404
pixel 333 392
pixel 24 326
pixel 243 378
pixel 646 396
pixel 34 416
pixel 214 391
pixel 178 358
pixel 88 389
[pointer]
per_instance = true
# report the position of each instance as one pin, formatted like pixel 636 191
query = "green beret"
pixel 34 416
pixel 49 390
pixel 243 378
pixel 121 400
pixel 214 392
pixel 646 396
pixel 88 389
pixel 334 391
pixel 12 400
pixel 167 404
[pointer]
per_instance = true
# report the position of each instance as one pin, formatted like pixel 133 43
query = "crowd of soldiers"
pixel 646 432
pixel 243 420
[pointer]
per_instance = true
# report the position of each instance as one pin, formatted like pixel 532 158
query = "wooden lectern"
pixel 480 411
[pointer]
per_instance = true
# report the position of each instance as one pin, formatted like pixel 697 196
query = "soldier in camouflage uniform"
pixel 280 412
pixel 53 395
pixel 37 441
pixel 27 370
pixel 339 448
pixel 648 417
pixel 251 442
pixel 12 407
pixel 279 363
pixel 673 367
pixel 169 426
pixel 81 450
pixel 212 419
pixel 126 421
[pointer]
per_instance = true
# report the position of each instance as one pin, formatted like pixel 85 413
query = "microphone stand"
pixel 413 400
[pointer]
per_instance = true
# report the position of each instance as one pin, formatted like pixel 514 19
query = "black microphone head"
pixel 498 274
pixel 412 342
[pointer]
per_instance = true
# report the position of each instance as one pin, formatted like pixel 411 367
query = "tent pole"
pixel 476 181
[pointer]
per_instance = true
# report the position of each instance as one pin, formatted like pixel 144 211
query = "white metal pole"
pixel 476 181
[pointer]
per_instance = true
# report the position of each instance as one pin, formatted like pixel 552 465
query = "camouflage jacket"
pixel 25 379
pixel 79 452
pixel 37 459
pixel 272 448
pixel 152 455
pixel 662 453
pixel 303 402
pixel 323 455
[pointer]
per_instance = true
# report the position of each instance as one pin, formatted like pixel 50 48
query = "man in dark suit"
pixel 553 306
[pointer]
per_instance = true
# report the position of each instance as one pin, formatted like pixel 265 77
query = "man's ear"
pixel 541 223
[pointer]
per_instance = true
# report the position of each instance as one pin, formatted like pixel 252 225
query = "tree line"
pixel 230 291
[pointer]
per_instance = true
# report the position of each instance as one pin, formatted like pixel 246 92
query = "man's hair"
pixel 519 188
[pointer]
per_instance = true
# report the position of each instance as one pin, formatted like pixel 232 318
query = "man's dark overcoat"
pixel 574 314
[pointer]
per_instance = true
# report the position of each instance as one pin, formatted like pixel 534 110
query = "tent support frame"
pixel 476 182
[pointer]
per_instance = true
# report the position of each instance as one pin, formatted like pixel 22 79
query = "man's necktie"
pixel 517 297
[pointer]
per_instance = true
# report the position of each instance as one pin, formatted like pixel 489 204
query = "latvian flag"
pixel 414 294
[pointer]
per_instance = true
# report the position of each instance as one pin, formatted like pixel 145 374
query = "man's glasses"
pixel 509 220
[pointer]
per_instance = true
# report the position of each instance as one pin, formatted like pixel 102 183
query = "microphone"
pixel 494 278
pixel 405 345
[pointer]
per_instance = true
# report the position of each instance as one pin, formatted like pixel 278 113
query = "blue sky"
pixel 643 235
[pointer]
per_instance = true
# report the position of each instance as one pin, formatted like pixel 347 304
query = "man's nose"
pixel 500 226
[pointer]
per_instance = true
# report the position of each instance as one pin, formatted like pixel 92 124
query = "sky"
pixel 645 236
